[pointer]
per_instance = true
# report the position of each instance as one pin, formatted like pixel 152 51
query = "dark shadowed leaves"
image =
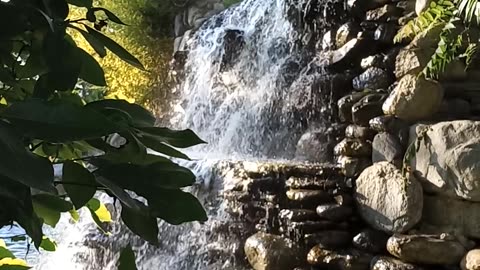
pixel 127 259
pixel 79 183
pixel 141 223
pixel 139 115
pixel 115 48
pixel 91 70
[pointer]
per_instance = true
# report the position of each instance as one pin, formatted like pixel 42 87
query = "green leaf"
pixel 18 238
pixel 15 158
pixel 13 264
pixel 91 15
pixel 115 48
pixel 48 244
pixel 100 214
pixel 140 116
pixel 58 121
pixel 94 42
pixel 112 17
pixel 29 221
pixel 121 194
pixel 127 259
pixel 153 143
pixel 49 208
pixel 83 184
pixel 156 175
pixel 5 253
pixel 174 206
pixel 141 223
pixel 91 71
pixel 57 9
pixel 178 138
pixel 81 3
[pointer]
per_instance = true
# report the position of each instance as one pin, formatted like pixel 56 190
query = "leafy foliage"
pixel 45 120
pixel 455 39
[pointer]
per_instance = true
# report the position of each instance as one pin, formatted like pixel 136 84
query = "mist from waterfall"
pixel 247 92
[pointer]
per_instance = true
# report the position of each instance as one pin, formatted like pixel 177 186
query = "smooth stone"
pixel 309 182
pixel 328 239
pixel 346 103
pixel 343 58
pixel 389 123
pixel 387 200
pixel 311 227
pixel 353 148
pixel 334 212
pixel 272 252
pixel 447 159
pixel 345 33
pixel 353 166
pixel 443 249
pixel 313 146
pixel 471 261
pixel 383 14
pixel 367 108
pixel 344 199
pixel 338 260
pixel 309 196
pixel 295 215
pixel 371 241
pixel 385 33
pixel 448 214
pixel 372 61
pixel 387 147
pixel 372 78
pixel 414 98
pixel 359 132
pixel 328 41
pixel 389 263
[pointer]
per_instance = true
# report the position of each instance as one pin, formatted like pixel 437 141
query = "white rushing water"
pixel 247 98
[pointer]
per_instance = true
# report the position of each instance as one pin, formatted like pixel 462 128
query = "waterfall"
pixel 250 90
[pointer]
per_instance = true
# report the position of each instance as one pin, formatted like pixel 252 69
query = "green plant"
pixel 46 119
pixel 228 3
pixel 456 40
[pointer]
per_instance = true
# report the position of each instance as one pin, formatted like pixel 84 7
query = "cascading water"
pixel 250 91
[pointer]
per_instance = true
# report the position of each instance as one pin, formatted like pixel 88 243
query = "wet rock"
pixel 338 260
pixel 387 200
pixel 373 78
pixel 329 239
pixel 272 252
pixel 328 41
pixel 311 182
pixel 309 227
pixel 295 215
pixel 443 249
pixel 371 241
pixel 388 123
pixel 353 148
pixel 449 214
pixel 359 7
pixel 414 98
pixel 334 212
pixel 370 106
pixel 314 146
pixel 234 41
pixel 406 6
pixel 359 132
pixel 345 33
pixel 385 33
pixel 471 261
pixel 386 147
pixel 346 103
pixel 448 163
pixel 372 61
pixel 344 199
pixel 344 57
pixel 389 59
pixel 353 166
pixel 389 263
pixel 308 196
pixel 383 14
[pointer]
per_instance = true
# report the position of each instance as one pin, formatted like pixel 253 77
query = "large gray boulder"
pixel 387 200
pixel 414 98
pixel 443 249
pixel 447 159
pixel 452 215
pixel 272 252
